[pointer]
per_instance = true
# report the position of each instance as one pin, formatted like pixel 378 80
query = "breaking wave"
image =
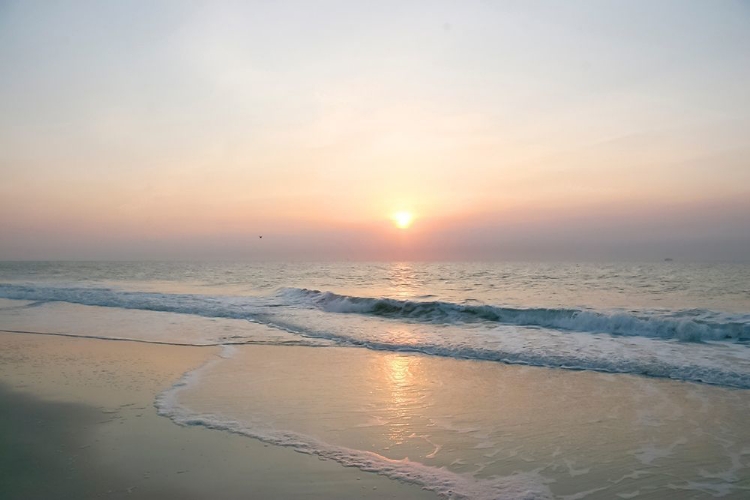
pixel 687 325
pixel 649 343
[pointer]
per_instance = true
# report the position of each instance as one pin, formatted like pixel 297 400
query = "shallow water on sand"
pixel 566 431
pixel 473 380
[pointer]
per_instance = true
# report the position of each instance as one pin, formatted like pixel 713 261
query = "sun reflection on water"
pixel 401 376
pixel 403 280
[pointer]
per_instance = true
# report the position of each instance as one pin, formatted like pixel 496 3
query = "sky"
pixel 511 130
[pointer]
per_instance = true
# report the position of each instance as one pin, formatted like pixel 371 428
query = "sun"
pixel 403 219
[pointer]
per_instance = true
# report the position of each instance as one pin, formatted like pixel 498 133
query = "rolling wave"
pixel 574 339
pixel 686 325
pixel 212 306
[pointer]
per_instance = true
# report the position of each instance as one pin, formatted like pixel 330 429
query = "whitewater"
pixel 486 381
pixel 691 343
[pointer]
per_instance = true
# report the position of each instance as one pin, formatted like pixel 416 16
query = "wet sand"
pixel 77 421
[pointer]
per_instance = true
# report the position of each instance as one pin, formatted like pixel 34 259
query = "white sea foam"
pixel 555 338
pixel 447 484
pixel 690 325
pixel 647 454
pixel 583 494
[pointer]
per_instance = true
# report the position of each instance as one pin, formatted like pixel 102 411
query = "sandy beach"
pixel 127 392
pixel 294 250
pixel 78 421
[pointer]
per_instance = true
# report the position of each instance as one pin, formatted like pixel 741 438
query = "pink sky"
pixel 510 131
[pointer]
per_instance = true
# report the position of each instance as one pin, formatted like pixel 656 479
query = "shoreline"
pixel 80 422
pixel 286 420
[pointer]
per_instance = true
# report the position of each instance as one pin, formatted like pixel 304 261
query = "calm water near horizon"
pixel 724 286
pixel 480 373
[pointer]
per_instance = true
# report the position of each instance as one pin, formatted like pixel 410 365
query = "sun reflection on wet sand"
pixel 584 430
pixel 400 375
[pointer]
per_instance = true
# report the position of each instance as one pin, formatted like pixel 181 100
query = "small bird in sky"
pixel 261 237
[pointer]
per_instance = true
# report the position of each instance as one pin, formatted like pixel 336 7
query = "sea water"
pixel 474 380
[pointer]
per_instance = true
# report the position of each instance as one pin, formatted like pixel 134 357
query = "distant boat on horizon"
pixel 669 259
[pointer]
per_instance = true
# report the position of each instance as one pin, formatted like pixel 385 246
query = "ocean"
pixel 474 380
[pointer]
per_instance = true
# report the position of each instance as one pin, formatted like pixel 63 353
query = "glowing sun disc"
pixel 403 219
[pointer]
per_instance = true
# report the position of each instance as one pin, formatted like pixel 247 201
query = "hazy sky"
pixel 511 129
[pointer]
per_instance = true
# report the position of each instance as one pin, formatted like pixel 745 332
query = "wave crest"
pixel 687 325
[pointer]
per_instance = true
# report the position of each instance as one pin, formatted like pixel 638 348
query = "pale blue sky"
pixel 511 129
